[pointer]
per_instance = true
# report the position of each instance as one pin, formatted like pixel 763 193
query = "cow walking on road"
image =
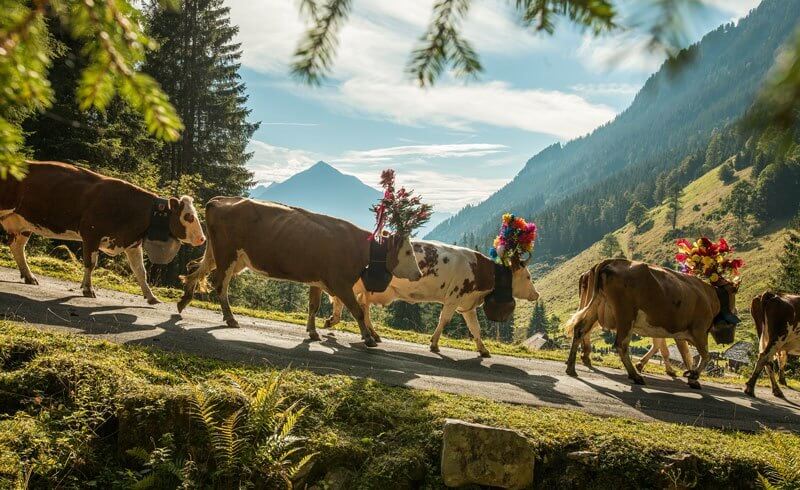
pixel 634 297
pixel 777 319
pixel 61 201
pixel 585 288
pixel 456 277
pixel 292 244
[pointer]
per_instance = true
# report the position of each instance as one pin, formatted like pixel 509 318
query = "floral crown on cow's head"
pixel 708 260
pixel 515 240
pixel 400 209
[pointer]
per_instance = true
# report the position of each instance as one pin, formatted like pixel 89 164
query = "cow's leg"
pixel 581 331
pixel 136 262
pixel 314 300
pixel 783 358
pixel 474 326
pixel 586 349
pixel 646 358
pixel 354 307
pixel 17 244
pixel 336 314
pixel 773 381
pixel 445 316
pixel 368 319
pixel 764 358
pixel 621 343
pixel 221 282
pixel 91 253
pixel 693 375
pixel 197 272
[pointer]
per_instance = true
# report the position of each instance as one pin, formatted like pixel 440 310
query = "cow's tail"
pixel 757 310
pixel 198 271
pixel 586 317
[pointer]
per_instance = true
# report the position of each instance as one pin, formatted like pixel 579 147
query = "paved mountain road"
pixel 125 318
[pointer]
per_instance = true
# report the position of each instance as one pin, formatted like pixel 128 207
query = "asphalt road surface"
pixel 125 318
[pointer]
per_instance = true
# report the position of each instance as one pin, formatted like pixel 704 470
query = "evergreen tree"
pixel 197 65
pixel 539 322
pixel 714 150
pixel 726 173
pixel 788 279
pixel 674 204
pixel 637 214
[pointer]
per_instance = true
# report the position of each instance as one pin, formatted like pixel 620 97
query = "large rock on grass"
pixel 483 455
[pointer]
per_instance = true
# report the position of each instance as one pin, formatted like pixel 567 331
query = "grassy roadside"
pixel 72 408
pixel 45 265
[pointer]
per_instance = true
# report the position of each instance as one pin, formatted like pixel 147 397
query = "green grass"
pixel 70 406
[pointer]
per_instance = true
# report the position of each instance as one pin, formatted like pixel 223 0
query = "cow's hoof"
pixel 88 293
pixel 327 323
pixel 672 374
pixel 587 363
pixel 639 367
pixel 749 391
pixel 314 336
pixel 434 348
pixel 377 338
pixel 692 375
pixel 782 381
pixel 694 384
pixel 638 380
pixel 31 280
pixel 232 323
pixel 183 303
pixel 153 301
pixel 370 342
pixel 485 353
pixel 571 372
pixel 778 393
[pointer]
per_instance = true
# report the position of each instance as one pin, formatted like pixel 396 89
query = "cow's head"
pixel 521 283
pixel 724 325
pixel 184 224
pixel 400 259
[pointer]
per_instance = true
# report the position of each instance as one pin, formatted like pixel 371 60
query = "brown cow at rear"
pixel 634 297
pixel 458 278
pixel 777 319
pixel 292 244
pixel 61 201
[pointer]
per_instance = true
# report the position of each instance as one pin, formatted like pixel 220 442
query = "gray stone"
pixel 483 455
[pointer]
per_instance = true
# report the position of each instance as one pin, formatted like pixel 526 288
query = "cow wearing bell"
pixel 61 201
pixel 777 319
pixel 585 288
pixel 633 297
pixel 291 244
pixel 458 278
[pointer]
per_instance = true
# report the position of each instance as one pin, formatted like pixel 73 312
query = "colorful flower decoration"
pixel 515 239
pixel 400 209
pixel 708 260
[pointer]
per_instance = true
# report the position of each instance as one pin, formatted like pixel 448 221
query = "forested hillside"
pixel 583 190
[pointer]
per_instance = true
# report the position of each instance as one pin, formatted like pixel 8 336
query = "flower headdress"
pixel 515 239
pixel 400 209
pixel 708 260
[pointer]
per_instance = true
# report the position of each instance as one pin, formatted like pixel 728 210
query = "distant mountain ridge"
pixel 673 113
pixel 324 189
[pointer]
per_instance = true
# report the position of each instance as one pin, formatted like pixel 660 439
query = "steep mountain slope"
pixel 701 205
pixel 323 189
pixel 673 114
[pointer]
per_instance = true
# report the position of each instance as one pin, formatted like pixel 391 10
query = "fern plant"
pixel 254 445
pixel 784 471
pixel 161 469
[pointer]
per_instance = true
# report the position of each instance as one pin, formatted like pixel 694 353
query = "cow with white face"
pixel 458 278
pixel 61 201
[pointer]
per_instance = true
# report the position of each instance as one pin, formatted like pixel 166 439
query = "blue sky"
pixel 454 143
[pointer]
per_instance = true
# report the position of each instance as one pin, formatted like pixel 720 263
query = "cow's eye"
pixel 189 218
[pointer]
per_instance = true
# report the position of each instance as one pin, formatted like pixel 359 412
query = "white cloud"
pixel 606 88
pixel 369 76
pixel 622 52
pixel 275 163
pixel 431 151
pixel 737 8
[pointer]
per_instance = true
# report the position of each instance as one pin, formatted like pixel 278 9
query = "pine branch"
pixel 313 57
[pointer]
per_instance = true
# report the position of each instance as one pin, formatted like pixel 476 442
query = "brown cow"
pixel 292 244
pixel 585 287
pixel 57 200
pixel 777 319
pixel 634 297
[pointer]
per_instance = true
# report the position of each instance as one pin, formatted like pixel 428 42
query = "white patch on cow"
pixel 642 327
pixel 108 247
pixel 407 267
pixel 522 285
pixel 15 223
pixel 194 230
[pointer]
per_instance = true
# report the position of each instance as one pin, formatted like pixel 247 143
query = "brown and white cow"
pixel 291 244
pixel 634 297
pixel 456 277
pixel 777 319
pixel 585 288
pixel 61 201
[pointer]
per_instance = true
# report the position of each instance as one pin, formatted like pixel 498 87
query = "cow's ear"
pixel 174 204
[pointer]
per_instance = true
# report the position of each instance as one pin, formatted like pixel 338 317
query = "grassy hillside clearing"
pixel 80 412
pixel 700 213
